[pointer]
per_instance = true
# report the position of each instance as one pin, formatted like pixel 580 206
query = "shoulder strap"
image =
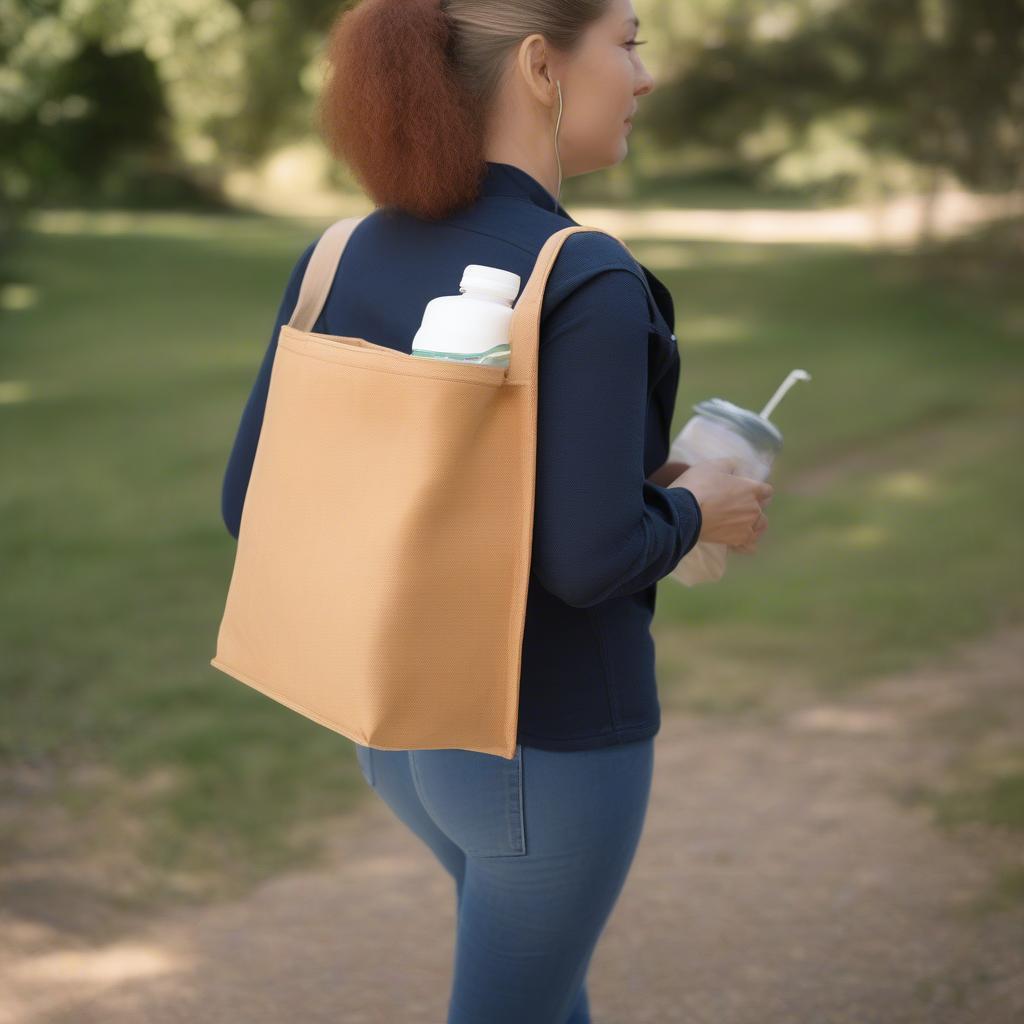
pixel 525 335
pixel 320 271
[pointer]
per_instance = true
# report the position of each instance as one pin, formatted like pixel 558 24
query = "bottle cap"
pixel 501 285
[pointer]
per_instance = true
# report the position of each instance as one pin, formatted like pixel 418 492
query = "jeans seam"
pixel 514 817
pixel 368 771
pixel 416 784
pixel 516 820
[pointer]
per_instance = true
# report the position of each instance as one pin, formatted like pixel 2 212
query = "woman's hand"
pixel 731 506
pixel 751 546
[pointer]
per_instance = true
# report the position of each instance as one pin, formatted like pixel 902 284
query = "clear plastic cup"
pixel 721 429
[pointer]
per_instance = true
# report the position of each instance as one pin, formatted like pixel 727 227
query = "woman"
pixel 457 117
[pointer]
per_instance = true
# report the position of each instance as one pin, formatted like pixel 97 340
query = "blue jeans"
pixel 539 847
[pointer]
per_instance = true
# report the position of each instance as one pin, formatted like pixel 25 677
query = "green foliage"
pixel 803 91
pixel 147 101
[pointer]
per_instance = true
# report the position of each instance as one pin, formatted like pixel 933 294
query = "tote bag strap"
pixel 524 338
pixel 320 271
pixel 525 331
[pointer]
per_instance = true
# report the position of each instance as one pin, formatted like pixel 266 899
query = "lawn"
pixel 129 347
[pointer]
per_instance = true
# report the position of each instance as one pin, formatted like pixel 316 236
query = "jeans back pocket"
pixel 476 799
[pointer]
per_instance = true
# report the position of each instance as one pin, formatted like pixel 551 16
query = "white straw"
pixel 794 376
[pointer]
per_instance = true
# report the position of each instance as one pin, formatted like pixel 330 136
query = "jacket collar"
pixel 509 180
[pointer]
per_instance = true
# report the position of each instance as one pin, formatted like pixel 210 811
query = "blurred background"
pixel 836 185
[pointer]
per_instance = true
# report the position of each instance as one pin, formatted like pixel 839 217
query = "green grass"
pixel 906 545
pixel 997 798
pixel 1005 892
pixel 126 364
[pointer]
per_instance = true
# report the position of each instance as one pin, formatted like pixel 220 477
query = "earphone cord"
pixel 558 157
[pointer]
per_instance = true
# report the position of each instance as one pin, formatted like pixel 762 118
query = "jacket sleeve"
pixel 243 452
pixel 601 529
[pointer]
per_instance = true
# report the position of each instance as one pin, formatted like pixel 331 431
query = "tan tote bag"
pixel 380 578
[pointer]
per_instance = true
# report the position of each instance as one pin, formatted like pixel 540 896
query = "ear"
pixel 533 62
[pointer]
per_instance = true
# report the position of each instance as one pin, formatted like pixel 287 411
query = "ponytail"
pixel 394 111
pixel 410 85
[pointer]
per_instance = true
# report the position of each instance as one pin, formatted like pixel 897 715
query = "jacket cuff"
pixel 690 518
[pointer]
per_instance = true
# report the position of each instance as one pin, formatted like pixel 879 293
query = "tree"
pixel 936 84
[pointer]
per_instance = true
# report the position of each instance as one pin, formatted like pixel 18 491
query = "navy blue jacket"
pixel 608 373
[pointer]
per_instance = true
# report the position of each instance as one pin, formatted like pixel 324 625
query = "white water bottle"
pixel 474 326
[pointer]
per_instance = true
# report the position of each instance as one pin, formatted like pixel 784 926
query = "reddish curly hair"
pixel 410 83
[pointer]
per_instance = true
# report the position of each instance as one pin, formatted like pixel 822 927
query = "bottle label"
pixel 495 355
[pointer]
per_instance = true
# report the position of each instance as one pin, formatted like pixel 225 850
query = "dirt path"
pixel 891 222
pixel 786 876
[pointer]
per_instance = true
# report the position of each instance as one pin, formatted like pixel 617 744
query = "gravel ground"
pixel 786 875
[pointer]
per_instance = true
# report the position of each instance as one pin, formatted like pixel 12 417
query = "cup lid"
pixel 761 433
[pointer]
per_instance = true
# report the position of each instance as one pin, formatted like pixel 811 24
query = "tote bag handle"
pixel 524 333
pixel 320 271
